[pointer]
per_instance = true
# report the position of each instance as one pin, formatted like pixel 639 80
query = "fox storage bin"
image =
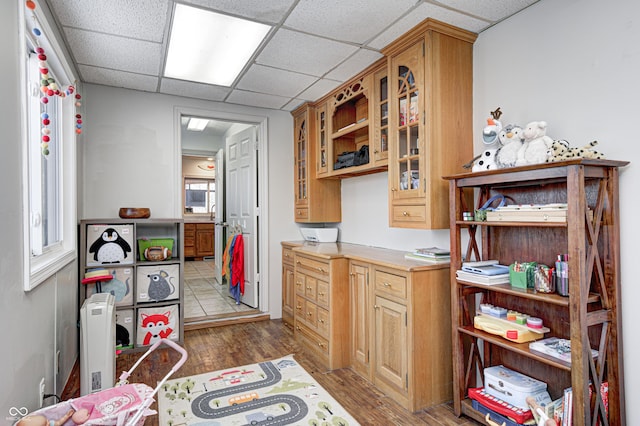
pixel 158 283
pixel 110 244
pixel 120 286
pixel 162 322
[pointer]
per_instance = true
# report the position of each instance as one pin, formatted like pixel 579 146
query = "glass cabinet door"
pixel 301 178
pixel 322 143
pixel 381 129
pixel 406 160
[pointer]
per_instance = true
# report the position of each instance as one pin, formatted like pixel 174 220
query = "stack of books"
pixel 487 272
pixel 430 254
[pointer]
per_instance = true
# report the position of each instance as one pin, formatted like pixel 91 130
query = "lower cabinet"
pixel 198 239
pixel 321 311
pixel 288 284
pixel 386 317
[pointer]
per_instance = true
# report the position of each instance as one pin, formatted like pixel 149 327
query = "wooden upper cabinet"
pixel 380 150
pixel 322 144
pixel 430 128
pixel 315 200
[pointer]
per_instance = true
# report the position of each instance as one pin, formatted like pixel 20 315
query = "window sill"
pixel 46 267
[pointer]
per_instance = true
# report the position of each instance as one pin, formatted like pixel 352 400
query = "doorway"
pixel 206 294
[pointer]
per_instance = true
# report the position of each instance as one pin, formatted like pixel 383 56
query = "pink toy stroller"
pixel 123 405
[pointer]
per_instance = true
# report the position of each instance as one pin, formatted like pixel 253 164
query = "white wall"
pixel 130 160
pixel 575 64
pixel 33 325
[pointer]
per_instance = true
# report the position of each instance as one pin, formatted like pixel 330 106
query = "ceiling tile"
pixel 191 89
pixel 108 51
pixel 319 89
pixel 140 19
pixel 346 20
pixel 107 77
pixel 304 53
pixel 492 10
pixel 271 11
pixel 422 12
pixel 257 99
pixel 274 81
pixel 354 64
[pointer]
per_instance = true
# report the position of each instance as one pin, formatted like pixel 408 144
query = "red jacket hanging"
pixel 237 263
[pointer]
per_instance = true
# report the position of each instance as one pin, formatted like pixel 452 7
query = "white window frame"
pixel 41 264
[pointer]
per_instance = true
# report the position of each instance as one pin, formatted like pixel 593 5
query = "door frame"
pixel 262 234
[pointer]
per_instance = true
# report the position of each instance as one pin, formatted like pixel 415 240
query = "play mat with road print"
pixel 278 392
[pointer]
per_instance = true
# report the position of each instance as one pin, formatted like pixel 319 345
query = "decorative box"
pixel 125 325
pixel 109 244
pixel 157 323
pixel 157 283
pixel 513 387
pixel 120 286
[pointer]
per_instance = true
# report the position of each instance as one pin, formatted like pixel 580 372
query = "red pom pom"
pixel 44 100
pixel 78 96
pixel 46 138
pixel 78 131
pixel 46 121
pixel 79 121
pixel 50 92
pixel 44 70
pixel 42 57
pixel 30 5
pixel 78 116
pixel 39 50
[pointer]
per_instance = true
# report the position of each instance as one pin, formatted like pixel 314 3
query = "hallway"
pixel 205 298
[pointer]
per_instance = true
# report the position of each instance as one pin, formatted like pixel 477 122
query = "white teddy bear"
pixel 510 142
pixel 536 144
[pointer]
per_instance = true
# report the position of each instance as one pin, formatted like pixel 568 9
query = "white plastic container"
pixel 513 387
pixel 320 235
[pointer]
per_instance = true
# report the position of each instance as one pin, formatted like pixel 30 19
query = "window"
pixel 200 196
pixel 48 168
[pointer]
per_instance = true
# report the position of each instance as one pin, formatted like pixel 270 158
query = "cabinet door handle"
pixel 309 314
pixel 393 189
pixel 322 321
pixel 386 284
pixel 322 345
pixel 376 307
pixel 405 213
pixel 321 293
pixel 321 270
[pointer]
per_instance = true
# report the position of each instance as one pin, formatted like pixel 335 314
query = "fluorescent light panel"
pixel 197 124
pixel 208 47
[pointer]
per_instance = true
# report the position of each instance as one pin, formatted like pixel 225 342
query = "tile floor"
pixel 204 297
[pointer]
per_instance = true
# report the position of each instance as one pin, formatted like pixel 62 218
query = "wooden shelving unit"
pixel 590 316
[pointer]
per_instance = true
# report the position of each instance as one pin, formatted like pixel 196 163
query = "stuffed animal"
pixel 536 144
pixel 510 139
pixel 560 150
pixel 487 159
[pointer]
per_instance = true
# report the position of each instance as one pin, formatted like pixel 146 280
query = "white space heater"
pixel 97 343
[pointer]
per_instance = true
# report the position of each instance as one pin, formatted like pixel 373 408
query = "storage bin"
pixel 145 243
pixel 514 387
pixel 524 277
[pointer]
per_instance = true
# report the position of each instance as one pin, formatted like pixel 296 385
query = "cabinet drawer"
pixel 302 213
pixel 391 284
pixel 317 267
pixel 287 255
pixel 322 293
pixel 310 288
pixel 300 283
pixel 204 226
pixel 190 241
pixel 189 230
pixel 409 213
pixel 311 314
pixel 312 339
pixel 322 316
pixel 299 307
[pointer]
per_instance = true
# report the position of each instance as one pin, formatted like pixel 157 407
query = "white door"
pixel 219 237
pixel 241 203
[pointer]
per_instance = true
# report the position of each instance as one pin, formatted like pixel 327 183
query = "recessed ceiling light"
pixel 197 124
pixel 209 47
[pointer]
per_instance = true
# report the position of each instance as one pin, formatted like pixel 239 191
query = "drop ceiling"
pixel 313 47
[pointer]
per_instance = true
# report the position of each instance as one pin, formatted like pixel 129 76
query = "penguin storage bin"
pixel 110 244
pixel 120 286
pixel 157 323
pixel 158 283
pixel 125 325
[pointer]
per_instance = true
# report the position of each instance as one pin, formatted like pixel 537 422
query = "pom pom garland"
pixel 48 88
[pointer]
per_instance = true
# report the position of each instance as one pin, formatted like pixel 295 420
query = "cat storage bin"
pixel 120 285
pixel 157 283
pixel 153 324
pixel 125 326
pixel 110 244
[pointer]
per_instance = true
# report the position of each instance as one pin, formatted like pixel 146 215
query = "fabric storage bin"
pixel 120 286
pixel 109 244
pixel 157 283
pixel 513 387
pixel 155 323
pixel 145 243
pixel 124 328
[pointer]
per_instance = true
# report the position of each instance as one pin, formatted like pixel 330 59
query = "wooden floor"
pixel 216 348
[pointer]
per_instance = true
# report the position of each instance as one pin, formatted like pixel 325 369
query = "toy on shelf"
pixel 561 150
pixel 511 139
pixel 487 159
pixel 536 144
